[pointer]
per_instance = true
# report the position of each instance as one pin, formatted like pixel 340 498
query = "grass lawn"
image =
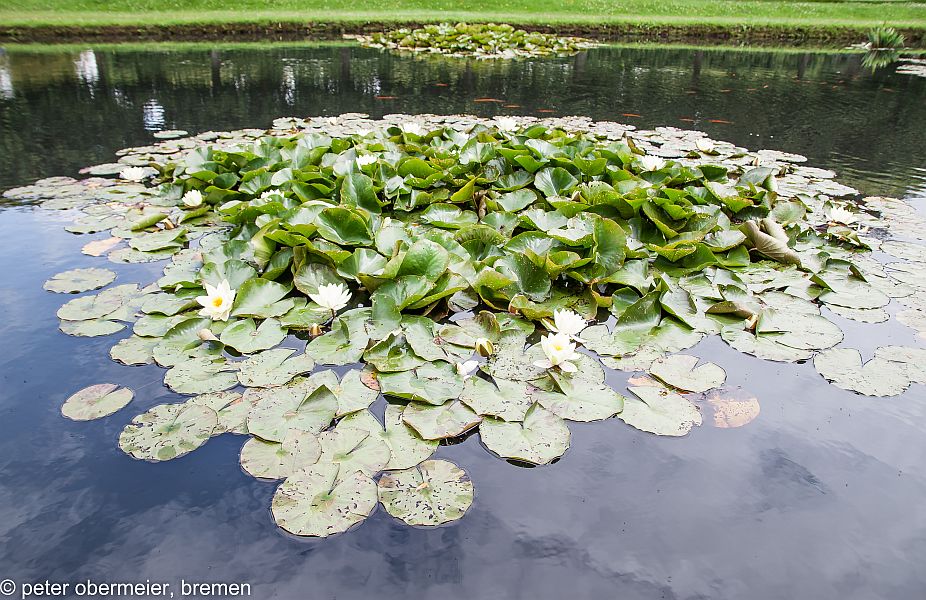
pixel 730 13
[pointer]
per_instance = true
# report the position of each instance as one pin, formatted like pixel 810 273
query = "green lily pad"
pixel 913 360
pixel 660 411
pixel 231 407
pixel 578 399
pixel 247 337
pixel 303 404
pixel 353 394
pixel 278 460
pixel 320 500
pixel 407 448
pixel 430 494
pixel 201 376
pixel 439 422
pixel 79 280
pixel 680 372
pixel 98 305
pixel 434 383
pixel 91 327
pixel 354 449
pixel 168 431
pixel 878 377
pixel 507 400
pixel 539 439
pixel 134 350
pixel 96 401
pixel 272 368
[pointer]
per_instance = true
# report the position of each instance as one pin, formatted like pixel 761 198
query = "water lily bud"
pixel 315 330
pixel 485 347
pixel 206 335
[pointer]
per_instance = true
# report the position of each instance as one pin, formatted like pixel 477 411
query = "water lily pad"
pixel 660 411
pixel 168 431
pixel 354 449
pixel 91 327
pixel 579 399
pixel 434 383
pixel 231 407
pixel 79 280
pixel 303 404
pixel 247 337
pixel 430 494
pixel 353 394
pixel 913 360
pixel 680 372
pixel 100 247
pixel 507 400
pixel 98 305
pixel 134 350
pixel 321 500
pixel 271 368
pixel 406 446
pixel 96 401
pixel 278 460
pixel 539 439
pixel 201 376
pixel 878 377
pixel 439 422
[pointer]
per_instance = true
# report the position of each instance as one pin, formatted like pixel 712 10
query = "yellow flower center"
pixel 217 301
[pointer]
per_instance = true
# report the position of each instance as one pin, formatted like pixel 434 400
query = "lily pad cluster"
pixel 478 40
pixel 466 275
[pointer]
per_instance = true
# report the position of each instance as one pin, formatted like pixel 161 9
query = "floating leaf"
pixel 508 400
pixel 271 368
pixel 430 494
pixel 660 411
pixel 91 327
pixel 96 401
pixel 680 372
pixel 434 383
pixel 168 431
pixel 303 404
pixel 246 337
pixel 878 377
pixel 407 448
pixel 354 449
pixel 439 422
pixel 278 460
pixel 579 399
pixel 200 376
pixel 539 439
pixel 79 280
pixel 320 500
pixel 134 350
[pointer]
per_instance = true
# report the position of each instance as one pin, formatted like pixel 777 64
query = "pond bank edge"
pixel 752 35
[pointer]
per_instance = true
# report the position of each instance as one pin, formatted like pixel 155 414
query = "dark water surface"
pixel 822 496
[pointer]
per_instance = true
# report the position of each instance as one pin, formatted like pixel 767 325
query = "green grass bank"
pixel 761 22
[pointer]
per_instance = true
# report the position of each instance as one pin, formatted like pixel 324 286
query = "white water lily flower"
pixel 841 215
pixel 568 323
pixel 217 303
pixel 705 145
pixel 651 163
pixel 366 159
pixel 333 296
pixel 266 195
pixel 506 123
pixel 413 128
pixel 193 198
pixel 465 369
pixel 559 351
pixel 134 174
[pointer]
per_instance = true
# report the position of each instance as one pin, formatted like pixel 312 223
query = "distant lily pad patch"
pixel 478 40
pixel 352 294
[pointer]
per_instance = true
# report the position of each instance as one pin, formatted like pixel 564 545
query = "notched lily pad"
pixel 433 493
pixel 321 500
pixel 96 401
pixel 660 411
pixel 80 280
pixel 680 372
pixel 278 460
pixel 541 438
pixel 168 431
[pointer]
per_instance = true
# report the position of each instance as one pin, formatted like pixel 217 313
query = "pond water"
pixel 819 497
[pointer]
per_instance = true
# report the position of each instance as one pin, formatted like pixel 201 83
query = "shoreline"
pixel 797 36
